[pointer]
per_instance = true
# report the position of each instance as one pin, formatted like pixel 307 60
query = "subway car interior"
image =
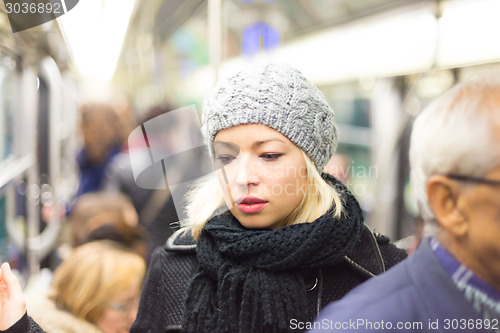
pixel 377 62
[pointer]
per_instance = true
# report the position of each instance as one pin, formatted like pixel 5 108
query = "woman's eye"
pixel 224 159
pixel 270 157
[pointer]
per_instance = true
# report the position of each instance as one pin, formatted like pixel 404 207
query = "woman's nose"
pixel 247 172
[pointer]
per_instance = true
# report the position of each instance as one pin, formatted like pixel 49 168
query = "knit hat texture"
pixel 278 96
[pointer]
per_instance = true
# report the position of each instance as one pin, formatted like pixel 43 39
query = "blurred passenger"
pixel 155 207
pixel 248 261
pixel 111 216
pixel 97 208
pixel 412 242
pixel 452 281
pixel 102 140
pixel 132 237
pixel 126 118
pixel 338 166
pixel 94 290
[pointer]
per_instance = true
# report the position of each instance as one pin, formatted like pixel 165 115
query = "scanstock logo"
pixel 26 14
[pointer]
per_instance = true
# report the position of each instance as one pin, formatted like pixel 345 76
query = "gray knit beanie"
pixel 280 97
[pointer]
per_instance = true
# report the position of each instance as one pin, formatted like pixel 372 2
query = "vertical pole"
pixel 25 141
pixel 215 35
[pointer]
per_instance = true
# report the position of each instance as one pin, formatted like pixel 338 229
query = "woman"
pixel 249 262
pixel 270 240
pixel 94 290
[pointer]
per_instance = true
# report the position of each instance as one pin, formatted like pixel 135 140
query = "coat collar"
pixel 181 241
pixel 365 258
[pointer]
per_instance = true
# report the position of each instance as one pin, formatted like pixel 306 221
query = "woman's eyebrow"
pixel 224 143
pixel 261 142
pixel 227 145
pixel 255 144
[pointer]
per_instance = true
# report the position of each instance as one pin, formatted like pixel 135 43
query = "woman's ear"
pixel 443 194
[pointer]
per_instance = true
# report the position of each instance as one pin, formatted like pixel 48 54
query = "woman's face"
pixel 264 174
pixel 121 311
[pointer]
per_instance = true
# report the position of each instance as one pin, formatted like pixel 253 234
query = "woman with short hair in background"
pixel 94 290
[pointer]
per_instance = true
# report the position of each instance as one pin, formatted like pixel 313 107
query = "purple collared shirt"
pixel 484 297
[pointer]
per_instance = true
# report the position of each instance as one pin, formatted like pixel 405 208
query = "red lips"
pixel 250 200
pixel 251 204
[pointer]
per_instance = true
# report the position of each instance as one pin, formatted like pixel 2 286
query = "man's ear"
pixel 443 195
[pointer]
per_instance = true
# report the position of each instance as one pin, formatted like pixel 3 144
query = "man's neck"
pixel 480 268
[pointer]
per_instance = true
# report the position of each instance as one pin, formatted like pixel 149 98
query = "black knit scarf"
pixel 251 280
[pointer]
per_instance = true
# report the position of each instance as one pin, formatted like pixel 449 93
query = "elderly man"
pixel 452 282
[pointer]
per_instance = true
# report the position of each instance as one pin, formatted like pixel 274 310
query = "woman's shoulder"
pixel 52 319
pixel 163 293
pixel 374 253
pixel 176 256
pixel 172 265
pixel 390 252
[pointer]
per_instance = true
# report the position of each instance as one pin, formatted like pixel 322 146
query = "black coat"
pixel 172 266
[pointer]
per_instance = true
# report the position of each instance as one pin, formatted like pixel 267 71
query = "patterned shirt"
pixel 484 297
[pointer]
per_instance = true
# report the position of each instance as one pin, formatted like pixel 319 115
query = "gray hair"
pixel 455 134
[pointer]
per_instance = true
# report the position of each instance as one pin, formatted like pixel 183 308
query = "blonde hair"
pixel 207 196
pixel 92 275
